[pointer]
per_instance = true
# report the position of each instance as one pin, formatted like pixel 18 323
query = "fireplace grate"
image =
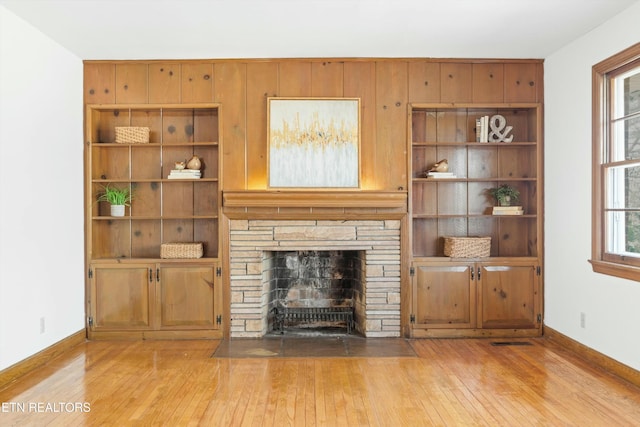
pixel 286 315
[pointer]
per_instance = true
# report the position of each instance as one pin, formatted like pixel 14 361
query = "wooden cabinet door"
pixel 444 295
pixel 121 297
pixel 187 297
pixel 509 296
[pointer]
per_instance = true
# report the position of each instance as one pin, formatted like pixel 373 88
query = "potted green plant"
pixel 505 194
pixel 118 198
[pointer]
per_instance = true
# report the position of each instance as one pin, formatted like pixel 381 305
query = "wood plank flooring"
pixel 461 382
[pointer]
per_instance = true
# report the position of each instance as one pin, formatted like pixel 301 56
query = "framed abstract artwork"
pixel 314 142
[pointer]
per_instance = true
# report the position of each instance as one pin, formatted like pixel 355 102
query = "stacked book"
pixel 184 174
pixel 508 210
pixel 482 129
pixel 440 175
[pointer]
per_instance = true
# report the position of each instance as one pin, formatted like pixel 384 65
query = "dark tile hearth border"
pixel 335 346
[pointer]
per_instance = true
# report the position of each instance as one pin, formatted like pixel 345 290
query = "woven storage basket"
pixel 131 134
pixel 181 250
pixel 467 247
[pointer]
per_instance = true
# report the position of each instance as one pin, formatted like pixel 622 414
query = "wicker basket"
pixel 131 134
pixel 467 247
pixel 181 250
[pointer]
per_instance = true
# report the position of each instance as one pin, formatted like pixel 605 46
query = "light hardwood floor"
pixel 461 382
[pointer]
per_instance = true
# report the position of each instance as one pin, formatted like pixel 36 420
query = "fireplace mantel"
pixel 390 204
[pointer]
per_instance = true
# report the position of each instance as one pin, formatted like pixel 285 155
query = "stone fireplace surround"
pixel 251 240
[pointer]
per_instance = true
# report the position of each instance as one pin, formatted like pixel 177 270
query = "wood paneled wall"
pixel 385 87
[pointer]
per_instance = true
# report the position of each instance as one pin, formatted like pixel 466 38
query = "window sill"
pixel 615 269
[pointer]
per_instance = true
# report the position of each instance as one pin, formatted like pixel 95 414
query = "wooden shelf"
pixel 471 144
pixel 473 216
pixel 138 260
pixel 461 179
pixel 99 144
pixel 479 295
pixel 163 180
pixel 130 288
pixel 147 217
pixel 168 209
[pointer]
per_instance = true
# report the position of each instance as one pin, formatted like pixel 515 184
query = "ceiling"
pixel 211 29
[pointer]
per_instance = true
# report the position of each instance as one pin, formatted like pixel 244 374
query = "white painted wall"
pixel 611 305
pixel 41 191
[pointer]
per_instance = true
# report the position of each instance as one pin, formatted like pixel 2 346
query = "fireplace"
pixel 368 251
pixel 314 290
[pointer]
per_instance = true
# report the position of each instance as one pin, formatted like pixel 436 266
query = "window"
pixel 616 165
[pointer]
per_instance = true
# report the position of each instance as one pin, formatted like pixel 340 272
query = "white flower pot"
pixel 117 210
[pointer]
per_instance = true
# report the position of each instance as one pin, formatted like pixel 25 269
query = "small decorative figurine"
pixel 499 129
pixel 441 166
pixel 180 165
pixel 194 163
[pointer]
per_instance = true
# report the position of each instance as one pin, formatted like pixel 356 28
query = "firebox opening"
pixel 314 291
